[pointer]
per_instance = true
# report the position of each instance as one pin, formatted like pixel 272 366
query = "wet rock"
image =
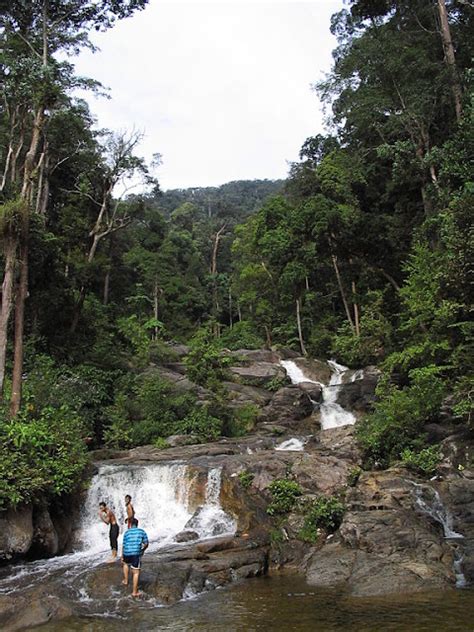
pixel 288 405
pixel 35 612
pixel 186 536
pixel 317 370
pixel 359 395
pixel 314 391
pixel 258 373
pixel 45 538
pixel 16 531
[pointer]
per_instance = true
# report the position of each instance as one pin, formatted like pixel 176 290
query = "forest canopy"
pixel 364 253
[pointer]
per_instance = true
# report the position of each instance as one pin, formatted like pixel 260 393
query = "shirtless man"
pixel 108 516
pixel 130 511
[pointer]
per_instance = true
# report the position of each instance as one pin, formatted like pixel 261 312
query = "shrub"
pixel 241 420
pixel 284 496
pixel 43 452
pixel 246 478
pixel 399 416
pixel 242 336
pixel 375 332
pixel 205 363
pixel 423 462
pixel 199 422
pixel 326 512
pixel 354 475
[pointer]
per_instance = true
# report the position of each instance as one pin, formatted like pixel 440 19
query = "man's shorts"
pixel 133 561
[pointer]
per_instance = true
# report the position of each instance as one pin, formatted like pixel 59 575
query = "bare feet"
pixel 138 594
pixel 112 560
pixel 124 583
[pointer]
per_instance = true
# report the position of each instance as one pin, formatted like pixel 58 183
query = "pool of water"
pixel 286 602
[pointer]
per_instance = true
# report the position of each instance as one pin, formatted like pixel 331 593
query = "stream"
pixel 285 602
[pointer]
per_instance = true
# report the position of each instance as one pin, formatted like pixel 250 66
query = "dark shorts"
pixel 113 536
pixel 133 561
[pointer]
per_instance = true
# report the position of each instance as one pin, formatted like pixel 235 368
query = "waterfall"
pixel 291 445
pixel 210 519
pixel 160 499
pixel 429 502
pixel 332 413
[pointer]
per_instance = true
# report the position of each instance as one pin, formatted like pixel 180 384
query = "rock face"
pixel 359 394
pixel 258 373
pixel 45 537
pixel 16 532
pixel 287 406
pixel 385 544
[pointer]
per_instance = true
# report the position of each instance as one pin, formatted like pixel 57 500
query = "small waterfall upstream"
pixel 332 413
pixel 429 502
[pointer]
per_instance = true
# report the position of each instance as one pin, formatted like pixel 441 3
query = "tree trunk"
pixel 356 309
pixel 105 300
pixel 231 322
pixel 15 401
pixel 298 321
pixel 341 290
pixel 156 296
pixel 450 58
pixel 7 302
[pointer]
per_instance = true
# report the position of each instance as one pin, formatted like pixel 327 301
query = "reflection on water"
pixel 283 603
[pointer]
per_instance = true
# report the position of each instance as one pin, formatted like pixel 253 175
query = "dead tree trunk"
pixel 7 303
pixel 450 58
pixel 298 321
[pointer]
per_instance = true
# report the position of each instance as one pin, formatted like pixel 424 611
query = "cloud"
pixel 221 89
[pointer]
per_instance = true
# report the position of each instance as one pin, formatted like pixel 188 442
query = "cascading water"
pixel 291 445
pixel 160 498
pixel 429 501
pixel 210 519
pixel 332 413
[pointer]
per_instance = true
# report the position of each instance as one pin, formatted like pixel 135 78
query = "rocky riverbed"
pixel 394 536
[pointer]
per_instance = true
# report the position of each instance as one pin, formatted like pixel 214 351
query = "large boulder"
pixel 45 538
pixel 385 544
pixel 243 395
pixel 258 373
pixel 16 531
pixel 359 393
pixel 251 356
pixel 288 405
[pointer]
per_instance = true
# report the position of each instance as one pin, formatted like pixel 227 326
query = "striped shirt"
pixel 133 539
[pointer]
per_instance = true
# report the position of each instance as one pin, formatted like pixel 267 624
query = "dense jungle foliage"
pixel 364 253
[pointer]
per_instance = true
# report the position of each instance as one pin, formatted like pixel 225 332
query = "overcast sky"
pixel 222 90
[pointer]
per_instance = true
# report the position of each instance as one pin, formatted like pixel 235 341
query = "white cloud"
pixel 221 89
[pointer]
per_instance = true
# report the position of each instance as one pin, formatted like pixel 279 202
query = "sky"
pixel 221 89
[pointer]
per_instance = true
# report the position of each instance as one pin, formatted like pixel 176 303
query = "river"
pixel 285 602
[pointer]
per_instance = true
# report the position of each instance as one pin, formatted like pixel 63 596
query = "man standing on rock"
pixel 108 516
pixel 130 511
pixel 135 541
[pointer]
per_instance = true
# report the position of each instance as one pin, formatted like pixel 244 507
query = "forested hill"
pixel 233 200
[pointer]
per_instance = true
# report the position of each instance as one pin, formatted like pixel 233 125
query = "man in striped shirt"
pixel 135 541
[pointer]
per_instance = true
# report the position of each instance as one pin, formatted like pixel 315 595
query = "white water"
pixel 429 501
pixel 160 496
pixel 291 445
pixel 332 413
pixel 160 499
